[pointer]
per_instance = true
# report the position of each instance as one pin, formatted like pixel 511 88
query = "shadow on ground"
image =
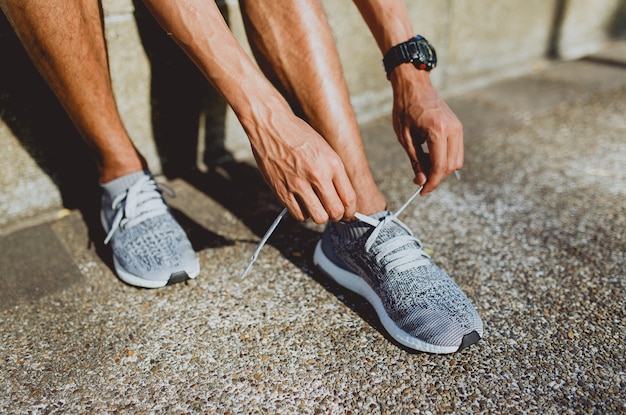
pixel 240 188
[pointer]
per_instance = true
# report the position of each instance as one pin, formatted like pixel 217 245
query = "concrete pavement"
pixel 534 233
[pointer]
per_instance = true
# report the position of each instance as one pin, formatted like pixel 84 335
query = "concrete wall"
pixel 167 106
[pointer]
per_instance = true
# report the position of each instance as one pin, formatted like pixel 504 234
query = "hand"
pixel 420 115
pixel 302 169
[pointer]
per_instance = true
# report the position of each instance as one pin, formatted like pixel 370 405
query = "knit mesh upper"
pixel 417 295
pixel 147 242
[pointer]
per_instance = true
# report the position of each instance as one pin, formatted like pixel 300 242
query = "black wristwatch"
pixel 416 50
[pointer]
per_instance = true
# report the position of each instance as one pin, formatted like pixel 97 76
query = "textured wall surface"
pixel 166 105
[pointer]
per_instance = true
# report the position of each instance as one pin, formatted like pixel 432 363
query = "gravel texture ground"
pixel 534 233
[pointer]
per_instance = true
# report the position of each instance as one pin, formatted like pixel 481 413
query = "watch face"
pixel 423 54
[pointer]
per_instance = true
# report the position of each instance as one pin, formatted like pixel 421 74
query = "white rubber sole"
pixel 356 284
pixel 173 278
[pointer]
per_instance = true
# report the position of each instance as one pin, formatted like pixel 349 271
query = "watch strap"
pixel 416 50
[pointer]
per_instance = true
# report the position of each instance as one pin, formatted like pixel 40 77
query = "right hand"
pixel 420 115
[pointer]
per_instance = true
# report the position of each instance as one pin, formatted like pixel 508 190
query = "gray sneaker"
pixel 417 303
pixel 150 249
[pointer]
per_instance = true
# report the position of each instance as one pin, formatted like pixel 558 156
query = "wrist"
pixel 405 75
pixel 257 113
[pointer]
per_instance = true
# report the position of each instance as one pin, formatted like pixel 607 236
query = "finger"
pixel 312 204
pixel 460 154
pixel 408 141
pixel 330 201
pixel 439 159
pixel 341 187
pixel 423 155
pixel 455 145
pixel 347 196
pixel 333 189
pixel 420 177
pixel 293 206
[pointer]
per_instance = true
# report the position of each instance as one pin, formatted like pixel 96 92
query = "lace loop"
pixel 390 252
pixel 140 202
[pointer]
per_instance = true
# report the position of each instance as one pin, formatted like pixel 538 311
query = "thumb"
pixel 419 156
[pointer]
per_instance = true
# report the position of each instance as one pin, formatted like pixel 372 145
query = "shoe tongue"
pixel 356 229
pixel 121 184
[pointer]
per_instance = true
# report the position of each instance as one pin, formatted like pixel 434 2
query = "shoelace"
pixel 141 201
pixel 389 254
pixel 399 260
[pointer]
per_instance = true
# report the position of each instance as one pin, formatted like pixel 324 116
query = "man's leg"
pixel 377 257
pixel 66 43
pixel 65 40
pixel 294 46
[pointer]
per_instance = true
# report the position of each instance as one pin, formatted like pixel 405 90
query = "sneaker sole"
pixel 174 278
pixel 356 284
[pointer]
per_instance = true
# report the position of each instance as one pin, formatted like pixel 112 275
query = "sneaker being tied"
pixel 379 258
pixel 150 249
pixel 418 304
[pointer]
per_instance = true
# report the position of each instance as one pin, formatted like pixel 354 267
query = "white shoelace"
pixel 141 201
pixel 398 260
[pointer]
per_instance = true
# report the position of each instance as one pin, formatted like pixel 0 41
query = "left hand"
pixel 420 115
